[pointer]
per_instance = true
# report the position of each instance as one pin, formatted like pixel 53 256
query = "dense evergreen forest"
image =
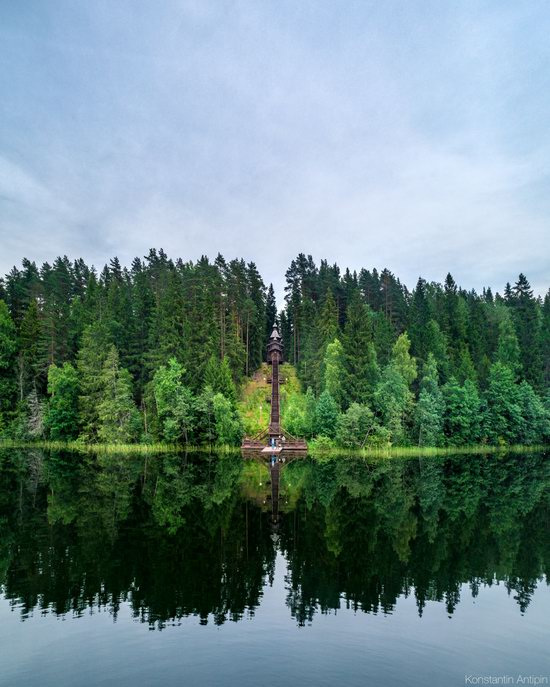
pixel 160 351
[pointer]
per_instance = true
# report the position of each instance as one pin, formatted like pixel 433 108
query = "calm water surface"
pixel 212 570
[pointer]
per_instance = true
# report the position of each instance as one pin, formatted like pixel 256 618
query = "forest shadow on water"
pixel 172 536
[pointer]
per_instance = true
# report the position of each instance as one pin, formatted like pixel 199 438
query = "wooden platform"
pixel 272 451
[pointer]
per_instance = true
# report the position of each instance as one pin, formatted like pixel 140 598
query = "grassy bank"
pixel 79 447
pixel 332 452
pixel 423 451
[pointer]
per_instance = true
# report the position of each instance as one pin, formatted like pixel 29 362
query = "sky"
pixel 412 135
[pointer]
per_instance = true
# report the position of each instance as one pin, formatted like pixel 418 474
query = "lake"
pixel 215 570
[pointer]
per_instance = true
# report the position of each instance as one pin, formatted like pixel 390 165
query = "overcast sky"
pixel 412 134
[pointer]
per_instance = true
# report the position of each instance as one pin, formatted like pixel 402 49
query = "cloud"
pixel 399 136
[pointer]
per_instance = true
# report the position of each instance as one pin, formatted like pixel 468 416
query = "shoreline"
pixel 333 452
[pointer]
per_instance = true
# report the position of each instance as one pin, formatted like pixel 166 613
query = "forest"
pixel 164 351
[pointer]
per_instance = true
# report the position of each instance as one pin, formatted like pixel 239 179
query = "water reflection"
pixel 176 535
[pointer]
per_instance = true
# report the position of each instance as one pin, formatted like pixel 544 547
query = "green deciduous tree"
pixel 175 406
pixel 358 427
pixel 326 415
pixel 503 417
pixel 394 403
pixel 402 360
pixel 534 427
pixel 462 417
pixel 227 422
pixel 62 415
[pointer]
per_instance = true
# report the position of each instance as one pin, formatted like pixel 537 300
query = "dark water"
pixel 178 570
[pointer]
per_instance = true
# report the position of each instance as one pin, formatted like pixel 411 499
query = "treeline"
pixel 435 366
pixel 158 352
pixel 153 352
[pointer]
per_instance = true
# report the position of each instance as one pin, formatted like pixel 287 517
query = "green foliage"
pixel 503 418
pixel 119 420
pixel 62 415
pixel 333 371
pixel 535 418
pixel 402 360
pixel 430 407
pixel 462 418
pixel 361 365
pixel 91 357
pixel 394 401
pixel 360 336
pixel 217 376
pixel 175 407
pixel 8 348
pixel 326 415
pixel 508 352
pixel 227 422
pixel 358 427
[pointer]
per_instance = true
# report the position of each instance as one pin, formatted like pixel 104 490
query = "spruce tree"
pixel 333 371
pixel 118 417
pixel 430 407
pixel 361 366
pixel 8 350
pixel 270 312
pixel 527 320
pixel 90 360
pixel 31 366
pixel 508 352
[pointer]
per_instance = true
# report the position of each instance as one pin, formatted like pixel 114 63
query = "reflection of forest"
pixel 176 536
